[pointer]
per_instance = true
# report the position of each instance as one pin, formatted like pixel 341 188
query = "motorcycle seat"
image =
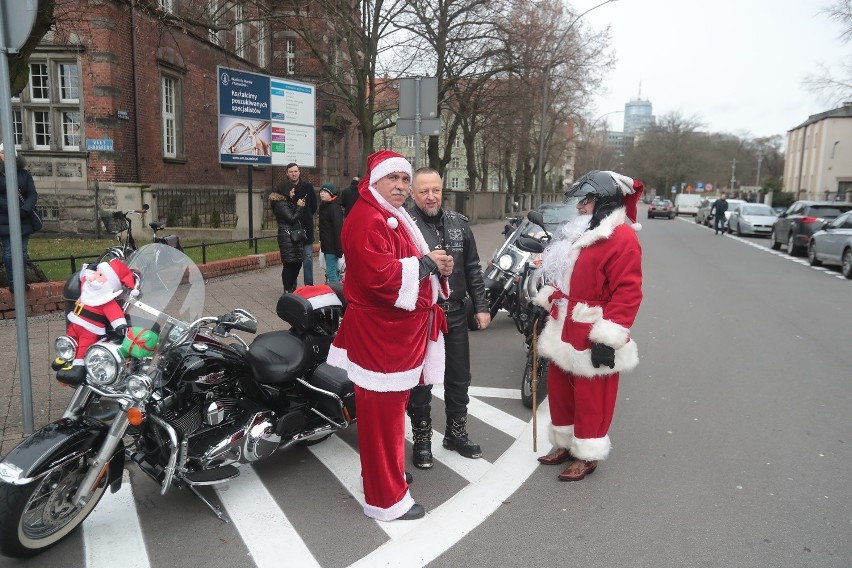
pixel 277 357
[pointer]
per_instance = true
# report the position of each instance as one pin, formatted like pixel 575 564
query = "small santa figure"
pixel 96 308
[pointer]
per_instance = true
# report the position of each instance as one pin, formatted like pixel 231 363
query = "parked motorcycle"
pixel 181 395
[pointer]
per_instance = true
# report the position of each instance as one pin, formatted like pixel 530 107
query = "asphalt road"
pixel 731 448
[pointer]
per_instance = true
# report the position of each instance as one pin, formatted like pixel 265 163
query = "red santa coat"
pixel 392 332
pixel 602 300
pixel 88 323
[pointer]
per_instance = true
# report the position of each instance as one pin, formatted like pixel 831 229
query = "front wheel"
pixel 38 515
pixel 775 245
pixel 526 382
pixel 846 266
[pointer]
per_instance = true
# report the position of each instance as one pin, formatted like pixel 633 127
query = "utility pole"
pixel 759 160
pixel 733 174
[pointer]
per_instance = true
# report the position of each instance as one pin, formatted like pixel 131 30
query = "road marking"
pixel 112 533
pixel 492 416
pixel 491 392
pixel 256 516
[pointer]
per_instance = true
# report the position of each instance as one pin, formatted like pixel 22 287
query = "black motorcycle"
pixel 181 395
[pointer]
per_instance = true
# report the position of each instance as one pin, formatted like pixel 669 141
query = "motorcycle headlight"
pixel 103 364
pixel 139 386
pixel 506 262
pixel 65 347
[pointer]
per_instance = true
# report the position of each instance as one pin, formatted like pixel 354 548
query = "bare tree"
pixel 836 85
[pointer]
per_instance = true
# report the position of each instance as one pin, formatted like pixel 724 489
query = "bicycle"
pixel 117 223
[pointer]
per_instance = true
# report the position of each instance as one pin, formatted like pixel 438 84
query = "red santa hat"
pixel 385 162
pixel 632 190
pixel 117 274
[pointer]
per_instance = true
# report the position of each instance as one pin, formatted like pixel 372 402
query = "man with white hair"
pixel 391 338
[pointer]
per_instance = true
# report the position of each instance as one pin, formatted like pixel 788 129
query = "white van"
pixel 687 203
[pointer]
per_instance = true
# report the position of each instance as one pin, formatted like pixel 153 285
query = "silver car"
pixel 833 244
pixel 752 219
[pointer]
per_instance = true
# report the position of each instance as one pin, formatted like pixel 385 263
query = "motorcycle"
pixel 511 273
pixel 181 395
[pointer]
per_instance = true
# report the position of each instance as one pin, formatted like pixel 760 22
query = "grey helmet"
pixel 603 189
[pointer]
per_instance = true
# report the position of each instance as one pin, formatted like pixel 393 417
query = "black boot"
pixel 455 438
pixel 422 433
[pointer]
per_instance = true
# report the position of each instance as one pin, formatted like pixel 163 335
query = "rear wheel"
pixel 846 266
pixel 38 515
pixel 773 242
pixel 812 257
pixel 792 249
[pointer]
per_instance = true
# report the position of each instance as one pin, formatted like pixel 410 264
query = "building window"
pixel 41 129
pixel 170 108
pixel 454 183
pixel 240 38
pixel 409 141
pixel 456 143
pixel 291 56
pixel 213 19
pixel 454 163
pixel 39 82
pixel 70 130
pixel 262 44
pixel 18 128
pixel 69 83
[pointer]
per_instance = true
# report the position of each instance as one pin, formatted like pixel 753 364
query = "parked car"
pixel 833 244
pixel 752 219
pixel 687 204
pixel 661 208
pixel 703 215
pixel 795 226
pixel 557 214
pixel 648 199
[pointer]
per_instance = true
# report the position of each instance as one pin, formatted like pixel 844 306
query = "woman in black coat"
pixel 28 197
pixel 287 210
pixel 330 225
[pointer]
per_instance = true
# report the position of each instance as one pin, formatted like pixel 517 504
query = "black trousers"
pixel 289 274
pixel 456 375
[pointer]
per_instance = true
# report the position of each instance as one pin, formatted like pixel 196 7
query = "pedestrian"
pixel 718 209
pixel 304 191
pixel 445 229
pixel 291 234
pixel 595 271
pixel 350 195
pixel 392 336
pixel 330 225
pixel 30 222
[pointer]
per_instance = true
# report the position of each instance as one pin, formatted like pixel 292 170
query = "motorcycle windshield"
pixel 171 291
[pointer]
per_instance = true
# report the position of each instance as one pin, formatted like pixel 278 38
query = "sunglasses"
pixel 586 200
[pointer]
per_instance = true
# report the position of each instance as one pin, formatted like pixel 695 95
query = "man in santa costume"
pixel 96 308
pixel 391 338
pixel 595 271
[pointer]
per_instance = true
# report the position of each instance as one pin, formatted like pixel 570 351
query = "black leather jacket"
pixel 452 233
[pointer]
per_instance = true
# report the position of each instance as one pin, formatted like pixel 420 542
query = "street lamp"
pixel 546 81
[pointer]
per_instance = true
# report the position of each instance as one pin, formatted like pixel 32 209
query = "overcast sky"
pixel 737 65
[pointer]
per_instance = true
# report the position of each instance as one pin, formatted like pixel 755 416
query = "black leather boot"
pixel 455 438
pixel 422 434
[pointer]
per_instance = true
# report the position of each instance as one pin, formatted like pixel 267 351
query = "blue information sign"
pixel 99 145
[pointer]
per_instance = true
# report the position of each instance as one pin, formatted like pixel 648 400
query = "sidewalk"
pixel 256 291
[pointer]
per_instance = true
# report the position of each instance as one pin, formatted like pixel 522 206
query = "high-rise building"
pixel 638 116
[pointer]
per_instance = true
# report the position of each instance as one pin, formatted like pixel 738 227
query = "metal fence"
pixel 210 209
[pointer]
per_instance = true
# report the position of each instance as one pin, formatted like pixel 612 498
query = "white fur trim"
pixel 609 333
pixel 541 297
pixel 435 361
pixel 579 362
pixel 373 380
pixel 111 276
pixel 561 436
pixel 410 287
pixel 393 512
pixel 389 166
pixel 591 449
pixel 393 223
pixel 584 313
pixel 636 227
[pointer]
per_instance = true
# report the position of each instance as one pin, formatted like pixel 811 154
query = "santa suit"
pixel 92 313
pixel 390 339
pixel 604 290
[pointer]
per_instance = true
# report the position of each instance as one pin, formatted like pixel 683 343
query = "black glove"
pixel 120 329
pixel 603 355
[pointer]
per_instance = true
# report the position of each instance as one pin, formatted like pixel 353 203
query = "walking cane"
pixel 535 384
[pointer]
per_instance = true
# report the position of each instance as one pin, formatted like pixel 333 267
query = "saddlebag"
pixel 334 380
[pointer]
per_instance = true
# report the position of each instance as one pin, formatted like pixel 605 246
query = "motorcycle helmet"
pixel 601 187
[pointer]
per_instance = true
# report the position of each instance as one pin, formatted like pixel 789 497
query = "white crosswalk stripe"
pixel 103 544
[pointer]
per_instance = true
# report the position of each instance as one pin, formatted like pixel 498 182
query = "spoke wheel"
pixel 36 516
pixel 526 382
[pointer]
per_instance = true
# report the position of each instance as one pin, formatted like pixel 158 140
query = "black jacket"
pixel 719 206
pixel 330 225
pixel 304 190
pixel 27 198
pixel 452 233
pixel 349 197
pixel 288 216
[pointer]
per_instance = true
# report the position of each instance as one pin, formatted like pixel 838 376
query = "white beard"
pixel 94 293
pixel 558 258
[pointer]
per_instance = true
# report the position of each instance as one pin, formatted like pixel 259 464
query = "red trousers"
pixel 381 443
pixel 587 405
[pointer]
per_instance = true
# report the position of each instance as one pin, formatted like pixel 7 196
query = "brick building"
pixel 137 86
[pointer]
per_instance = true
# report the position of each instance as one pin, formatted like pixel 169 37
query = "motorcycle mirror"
pixel 145 207
pixel 529 244
pixel 515 206
pixel 536 217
